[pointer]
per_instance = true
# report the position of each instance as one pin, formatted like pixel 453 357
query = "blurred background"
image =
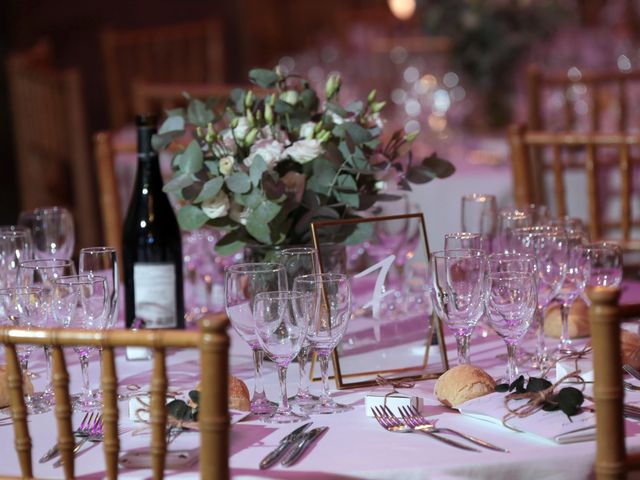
pixel 459 71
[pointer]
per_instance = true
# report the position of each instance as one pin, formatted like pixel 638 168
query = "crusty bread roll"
pixel 630 348
pixel 463 383
pixel 578 320
pixel 4 386
pixel 238 394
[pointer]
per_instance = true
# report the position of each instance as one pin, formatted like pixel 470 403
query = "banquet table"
pixel 355 446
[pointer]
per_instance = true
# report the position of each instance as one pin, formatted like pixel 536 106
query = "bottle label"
pixel 154 290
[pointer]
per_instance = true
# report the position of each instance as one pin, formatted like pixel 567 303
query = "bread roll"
pixel 238 394
pixel 630 348
pixel 463 383
pixel 578 320
pixel 4 386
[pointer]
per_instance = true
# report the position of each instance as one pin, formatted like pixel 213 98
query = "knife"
pixel 631 371
pixel 284 445
pixel 303 444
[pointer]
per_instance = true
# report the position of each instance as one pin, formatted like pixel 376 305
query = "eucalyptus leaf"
pixel 178 182
pixel 440 167
pixel 191 217
pixel 358 133
pixel 309 99
pixel 191 160
pixel 175 112
pixel 174 123
pixel 362 232
pixel 238 182
pixel 259 230
pixel 212 167
pixel 198 114
pixel 347 190
pixel 210 189
pixel 283 108
pixel 232 242
pixel 160 141
pixel 258 167
pixel 263 77
pixel 355 107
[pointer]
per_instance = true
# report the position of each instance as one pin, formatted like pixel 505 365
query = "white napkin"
pixel 555 426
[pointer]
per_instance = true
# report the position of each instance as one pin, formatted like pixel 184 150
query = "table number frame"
pixel 351 380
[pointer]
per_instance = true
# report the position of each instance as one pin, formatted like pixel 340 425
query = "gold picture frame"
pixel 345 376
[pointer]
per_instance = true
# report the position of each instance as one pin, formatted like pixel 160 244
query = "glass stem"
pixel 258 385
pixel 565 342
pixel 462 342
pixel 84 367
pixel 24 367
pixel 512 367
pixel 282 376
pixel 47 360
pixel 303 385
pixel 325 399
pixel 541 348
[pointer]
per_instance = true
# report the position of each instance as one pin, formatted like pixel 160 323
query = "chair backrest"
pixel 51 139
pixel 599 89
pixel 599 155
pixel 213 415
pixel 179 53
pixel 612 461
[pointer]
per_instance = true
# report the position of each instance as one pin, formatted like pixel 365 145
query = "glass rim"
pixel 80 279
pixel 462 235
pixel 98 250
pixel 30 289
pixel 37 263
pixel 274 294
pixel 539 230
pixel 459 253
pixel 50 209
pixel 485 197
pixel 510 256
pixel 15 233
pixel 254 267
pixel 493 274
pixel 324 277
pixel 604 245
pixel 296 250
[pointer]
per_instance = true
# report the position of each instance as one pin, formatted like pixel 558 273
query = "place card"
pixel 584 365
pixel 393 400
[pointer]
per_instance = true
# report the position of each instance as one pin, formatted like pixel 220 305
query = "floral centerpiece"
pixel 263 165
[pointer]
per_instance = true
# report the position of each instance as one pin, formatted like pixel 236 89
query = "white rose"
pixel 270 151
pixel 217 206
pixel 306 130
pixel 304 151
pixel 226 165
pixel 239 214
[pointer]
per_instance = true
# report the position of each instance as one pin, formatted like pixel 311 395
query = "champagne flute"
pixel 299 261
pixel 605 264
pixel 103 261
pixel 242 283
pixel 81 301
pixel 52 231
pixel 15 246
pixel 281 321
pixel 25 307
pixel 457 293
pixel 511 301
pixel 508 220
pixel 329 300
pixel 479 216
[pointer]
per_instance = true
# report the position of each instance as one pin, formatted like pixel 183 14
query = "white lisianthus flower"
pixel 306 130
pixel 290 96
pixel 217 206
pixel 335 118
pixel 226 165
pixel 304 151
pixel 239 132
pixel 270 150
pixel 238 213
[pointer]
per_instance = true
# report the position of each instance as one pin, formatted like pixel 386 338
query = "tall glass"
pixel 15 246
pixel 457 293
pixel 81 301
pixel 52 230
pixel 508 220
pixel 282 319
pixel 329 299
pixel 478 215
pixel 242 283
pixel 605 264
pixel 25 307
pixel 103 261
pixel 463 240
pixel 301 261
pixel 511 301
pixel 539 214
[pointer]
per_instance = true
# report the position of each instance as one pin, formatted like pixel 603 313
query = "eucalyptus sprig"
pixel 183 411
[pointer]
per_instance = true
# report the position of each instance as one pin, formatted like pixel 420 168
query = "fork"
pixel 393 424
pixel 92 432
pixel 81 431
pixel 414 419
pixel 630 387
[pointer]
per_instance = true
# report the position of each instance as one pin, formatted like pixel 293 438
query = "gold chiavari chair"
pixel 213 416
pixel 612 461
pixel 560 153
pixel 178 53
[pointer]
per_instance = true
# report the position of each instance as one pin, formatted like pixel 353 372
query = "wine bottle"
pixel 151 244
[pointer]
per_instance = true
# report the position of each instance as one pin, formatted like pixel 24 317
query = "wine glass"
pixel 52 231
pixel 463 240
pixel 511 301
pixel 281 320
pixel 82 302
pixel 539 214
pixel 329 300
pixel 457 293
pixel 15 246
pixel 479 216
pixel 25 307
pixel 548 246
pixel 103 261
pixel 508 220
pixel 575 279
pixel 301 261
pixel 605 264
pixel 242 283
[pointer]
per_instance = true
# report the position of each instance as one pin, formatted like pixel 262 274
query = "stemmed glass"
pixel 548 246
pixel 479 216
pixel 102 261
pixel 457 294
pixel 463 240
pixel 281 320
pixel 25 307
pixel 329 300
pixel 242 283
pixel 52 231
pixel 511 301
pixel 605 264
pixel 508 220
pixel 81 301
pixel 15 246
pixel 539 214
pixel 301 261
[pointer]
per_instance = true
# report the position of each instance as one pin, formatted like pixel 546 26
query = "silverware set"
pixel 89 430
pixel 413 421
pixel 293 446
